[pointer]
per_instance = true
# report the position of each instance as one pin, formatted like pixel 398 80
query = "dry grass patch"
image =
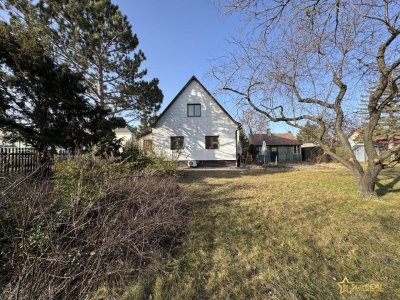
pixel 268 234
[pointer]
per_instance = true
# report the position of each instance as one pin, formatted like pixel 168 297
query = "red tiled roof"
pixel 381 140
pixel 384 140
pixel 274 139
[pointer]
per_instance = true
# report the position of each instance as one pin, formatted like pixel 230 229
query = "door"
pixel 274 153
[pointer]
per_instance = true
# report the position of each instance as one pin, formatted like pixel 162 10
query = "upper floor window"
pixel 176 142
pixel 194 110
pixel 212 142
pixel 296 149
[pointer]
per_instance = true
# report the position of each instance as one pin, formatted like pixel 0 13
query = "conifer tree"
pixel 388 127
pixel 95 38
pixel 308 133
pixel 42 103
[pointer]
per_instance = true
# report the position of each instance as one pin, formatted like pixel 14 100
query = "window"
pixel 296 149
pixel 274 149
pixel 176 142
pixel 194 110
pixel 148 145
pixel 212 142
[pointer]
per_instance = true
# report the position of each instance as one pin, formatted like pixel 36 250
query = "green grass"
pixel 290 234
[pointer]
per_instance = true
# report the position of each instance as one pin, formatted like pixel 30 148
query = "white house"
pixel 357 145
pixel 194 127
pixel 6 144
pixel 124 134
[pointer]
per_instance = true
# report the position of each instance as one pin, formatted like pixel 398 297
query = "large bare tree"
pixel 252 121
pixel 310 60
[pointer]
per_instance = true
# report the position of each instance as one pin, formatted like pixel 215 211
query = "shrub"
pixel 161 165
pixel 95 225
pixel 84 177
pixel 252 150
pixel 148 161
pixel 340 151
pixel 131 152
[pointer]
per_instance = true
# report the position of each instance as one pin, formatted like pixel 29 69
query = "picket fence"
pixel 20 160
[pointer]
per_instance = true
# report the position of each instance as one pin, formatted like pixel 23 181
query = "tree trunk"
pixel 44 160
pixel 366 186
pixel 391 145
pixel 367 181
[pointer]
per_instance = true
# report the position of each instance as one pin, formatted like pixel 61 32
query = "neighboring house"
pixel 357 145
pixel 7 144
pixel 283 147
pixel 194 127
pixel 387 143
pixel 125 134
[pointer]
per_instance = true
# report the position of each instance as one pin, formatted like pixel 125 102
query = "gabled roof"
pixel 357 136
pixel 126 129
pixel 274 139
pixel 309 145
pixel 143 134
pixel 203 87
pixel 384 140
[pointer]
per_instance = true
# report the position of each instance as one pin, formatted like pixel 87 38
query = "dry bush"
pixel 52 247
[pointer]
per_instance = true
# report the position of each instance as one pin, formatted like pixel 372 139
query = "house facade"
pixel 124 134
pixel 194 127
pixel 4 143
pixel 357 145
pixel 280 147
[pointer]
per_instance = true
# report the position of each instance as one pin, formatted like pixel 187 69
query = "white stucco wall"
pixel 125 136
pixel 359 148
pixel 213 122
pixel 148 136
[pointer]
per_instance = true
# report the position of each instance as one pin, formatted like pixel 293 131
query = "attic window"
pixel 194 110
pixel 212 142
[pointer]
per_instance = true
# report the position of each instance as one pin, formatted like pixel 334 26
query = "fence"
pixel 18 160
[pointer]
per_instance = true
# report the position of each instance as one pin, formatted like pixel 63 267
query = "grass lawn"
pixel 290 234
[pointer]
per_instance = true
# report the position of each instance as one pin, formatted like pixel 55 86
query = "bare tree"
pixel 252 121
pixel 311 60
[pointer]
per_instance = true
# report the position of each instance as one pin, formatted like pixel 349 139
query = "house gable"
pixel 212 120
pixel 200 93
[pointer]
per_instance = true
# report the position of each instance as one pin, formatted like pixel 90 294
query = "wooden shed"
pixel 281 147
pixel 313 153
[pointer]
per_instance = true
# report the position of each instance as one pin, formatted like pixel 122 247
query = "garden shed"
pixel 281 147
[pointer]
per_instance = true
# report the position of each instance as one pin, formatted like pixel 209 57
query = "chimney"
pixel 268 132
